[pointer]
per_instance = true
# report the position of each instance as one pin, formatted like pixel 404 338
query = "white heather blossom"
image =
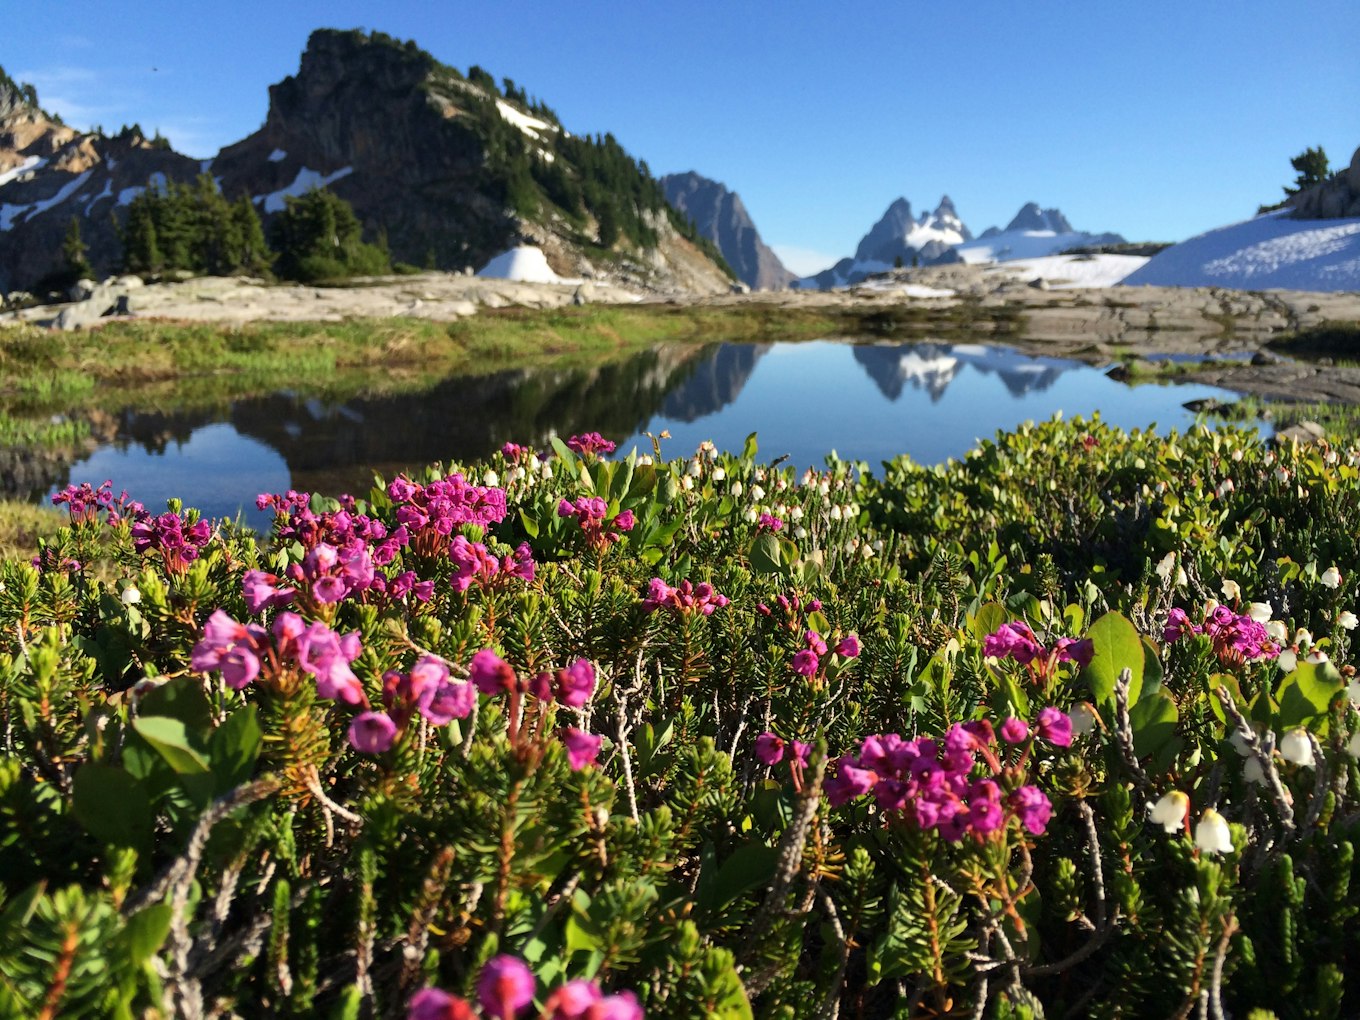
pixel 131 596
pixel 835 512
pixel 757 493
pixel 1331 577
pixel 1277 631
pixel 823 486
pixel 796 514
pixel 1303 637
pixel 490 479
pixel 687 483
pixel 1170 811
pixel 1353 745
pixel 534 462
pixel 1083 719
pixel 750 516
pixel 1260 611
pixel 1239 743
pixel 1166 566
pixel 719 474
pixel 1295 747
pixel 1231 590
pixel 1288 661
pixel 516 474
pixel 695 469
pixel 1317 657
pixel 644 460
pixel 1346 620
pixel 800 532
pixel 1211 833
pixel 546 472
pixel 1252 771
pixel 737 488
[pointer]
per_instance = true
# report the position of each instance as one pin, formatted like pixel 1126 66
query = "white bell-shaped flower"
pixel 1295 747
pixel 1170 811
pixel 1212 834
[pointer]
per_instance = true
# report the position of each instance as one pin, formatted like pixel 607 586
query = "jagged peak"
pixel 19 98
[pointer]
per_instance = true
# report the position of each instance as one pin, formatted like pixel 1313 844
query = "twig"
pixel 1216 980
pixel 313 783
pixel 831 1002
pixel 1322 779
pixel 1123 731
pixel 1261 748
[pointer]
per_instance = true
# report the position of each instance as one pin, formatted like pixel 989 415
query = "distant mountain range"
pixel 449 168
pixel 940 237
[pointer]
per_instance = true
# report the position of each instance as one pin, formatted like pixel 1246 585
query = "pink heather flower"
pixel 262 592
pixel 221 629
pixel 1177 625
pixel 848 782
pixel 512 451
pixel 625 521
pixel 815 643
pixel 1055 726
pixel 490 673
pixel 849 647
pixel 768 522
pixel 434 1004
pixel 1015 641
pixel 575 684
pixel 1071 650
pixel 805 662
pixel 328 589
pixel 1033 809
pixel 372 732
pixel 505 986
pixel 591 443
pixel 582 747
pixel 801 752
pixel 621 1006
pixel 439 699
pixel 659 593
pixel 769 749
pixel 573 1000
pixel 288 626
pixel 239 666
pixel 1014 731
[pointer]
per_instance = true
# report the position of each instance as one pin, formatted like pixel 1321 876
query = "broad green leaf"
pixel 1117 647
pixel 1307 693
pixel 750 448
pixel 112 806
pixel 1153 721
pixel 766 555
pixel 750 867
pixel 146 931
pixel 170 738
pixel 989 620
pixel 234 747
pixel 181 698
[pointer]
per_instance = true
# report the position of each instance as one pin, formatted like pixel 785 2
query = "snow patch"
pixel 10 213
pixel 277 156
pixel 1269 252
pixel 1075 272
pixel 204 165
pixel 30 163
pixel 531 126
pixel 304 182
pixel 525 264
pixel 1021 244
pixel 126 196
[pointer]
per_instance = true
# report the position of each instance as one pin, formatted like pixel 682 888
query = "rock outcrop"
pixel 720 216
pixel 1335 198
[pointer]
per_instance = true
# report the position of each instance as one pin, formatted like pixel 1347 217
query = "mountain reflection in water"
pixel 868 402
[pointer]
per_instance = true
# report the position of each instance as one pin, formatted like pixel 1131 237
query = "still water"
pixel 867 402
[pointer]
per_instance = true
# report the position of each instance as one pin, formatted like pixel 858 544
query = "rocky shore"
pixel 1212 335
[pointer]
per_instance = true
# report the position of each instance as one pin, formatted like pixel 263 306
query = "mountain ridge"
pixel 451 168
pixel 720 215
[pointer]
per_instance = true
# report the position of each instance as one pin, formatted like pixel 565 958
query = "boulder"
pixel 1304 433
pixel 81 289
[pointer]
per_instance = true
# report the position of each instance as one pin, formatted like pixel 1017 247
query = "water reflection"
pixel 867 402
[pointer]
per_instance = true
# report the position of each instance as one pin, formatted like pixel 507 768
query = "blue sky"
pixel 1158 120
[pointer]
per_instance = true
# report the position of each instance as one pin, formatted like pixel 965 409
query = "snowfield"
pixel 1072 272
pixel 525 264
pixel 1021 244
pixel 304 182
pixel 1270 252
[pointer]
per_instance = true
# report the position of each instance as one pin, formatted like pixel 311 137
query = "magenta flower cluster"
pixel 473 563
pixel 439 507
pixel 769 522
pixel 571 687
pixel 1236 637
pixel 590 444
pixel 683 600
pixel 177 543
pixel 241 652
pixel 506 987
pixel 957 786
pixel 427 690
pixel 808 660
pixel 791 610
pixel 1016 641
pixel 84 503
pixel 592 514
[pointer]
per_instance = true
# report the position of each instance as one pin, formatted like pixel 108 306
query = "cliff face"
pixel 1336 198
pixel 720 216
pixel 447 167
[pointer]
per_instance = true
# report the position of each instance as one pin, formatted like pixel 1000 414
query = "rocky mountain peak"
pixel 720 215
pixel 1031 217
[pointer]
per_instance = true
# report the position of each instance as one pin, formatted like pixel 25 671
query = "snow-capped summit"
pixel 898 238
pixel 1033 233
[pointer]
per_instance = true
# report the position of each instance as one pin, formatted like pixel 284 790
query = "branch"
pixel 1261 749
pixel 1123 731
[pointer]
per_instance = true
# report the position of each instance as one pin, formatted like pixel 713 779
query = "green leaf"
pixel 233 748
pixel 1153 721
pixel 112 806
pixel 146 931
pixel 989 620
pixel 181 698
pixel 170 738
pixel 1307 693
pixel 1117 647
pixel 750 448
pixel 766 555
pixel 750 867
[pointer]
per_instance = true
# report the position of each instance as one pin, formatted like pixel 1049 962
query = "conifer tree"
pixel 75 265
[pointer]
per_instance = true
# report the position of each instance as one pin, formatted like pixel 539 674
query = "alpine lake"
pixel 867 401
